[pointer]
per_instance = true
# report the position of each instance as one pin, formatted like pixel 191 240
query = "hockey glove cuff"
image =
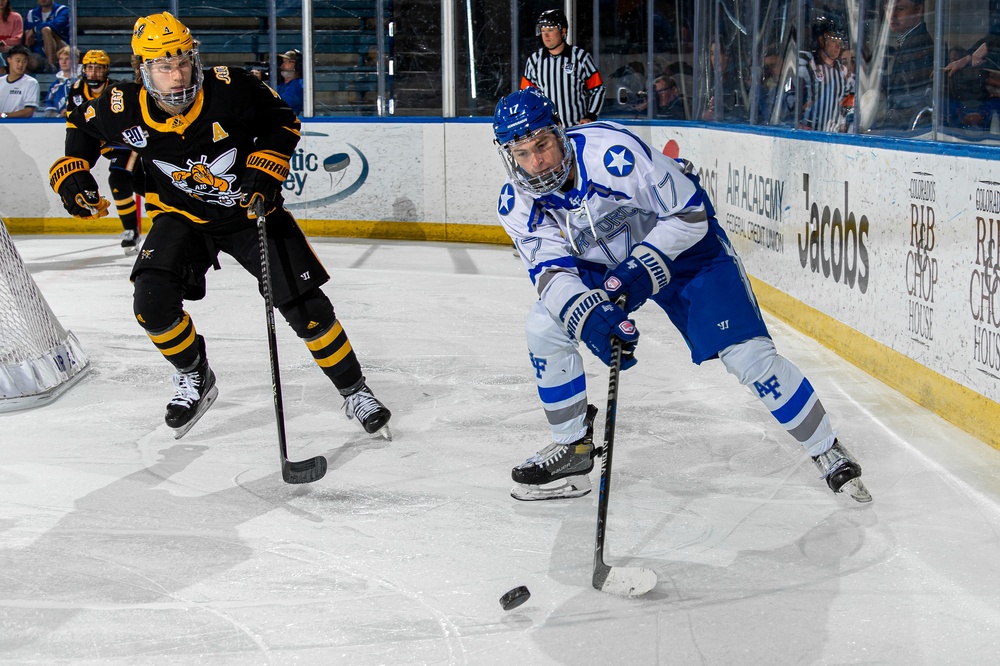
pixel 263 179
pixel 644 273
pixel 592 319
pixel 71 179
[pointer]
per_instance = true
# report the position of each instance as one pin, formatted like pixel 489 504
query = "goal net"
pixel 39 359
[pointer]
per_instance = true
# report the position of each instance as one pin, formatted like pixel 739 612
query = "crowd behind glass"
pixel 908 68
pixel 926 70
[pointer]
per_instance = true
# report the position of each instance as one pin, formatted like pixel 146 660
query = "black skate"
pixel 366 408
pixel 130 241
pixel 842 472
pixel 558 471
pixel 195 393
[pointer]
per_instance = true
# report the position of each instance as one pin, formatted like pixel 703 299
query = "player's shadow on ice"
pixel 136 548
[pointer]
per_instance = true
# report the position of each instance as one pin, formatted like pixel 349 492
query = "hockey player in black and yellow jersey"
pixel 214 142
pixel 125 177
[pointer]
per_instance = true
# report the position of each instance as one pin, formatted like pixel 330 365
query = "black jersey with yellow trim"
pixel 80 92
pixel 194 160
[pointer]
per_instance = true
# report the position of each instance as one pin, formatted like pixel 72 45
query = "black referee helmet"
pixel 824 25
pixel 551 18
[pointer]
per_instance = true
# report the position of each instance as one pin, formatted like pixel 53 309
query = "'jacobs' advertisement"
pixel 898 246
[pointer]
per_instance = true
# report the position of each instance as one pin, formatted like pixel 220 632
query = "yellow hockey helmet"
pixel 162 43
pixel 160 36
pixel 96 57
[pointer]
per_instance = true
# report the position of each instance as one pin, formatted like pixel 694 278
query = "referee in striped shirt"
pixel 565 74
pixel 825 81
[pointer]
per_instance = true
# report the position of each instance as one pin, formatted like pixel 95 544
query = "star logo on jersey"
pixel 506 203
pixel 204 180
pixel 619 161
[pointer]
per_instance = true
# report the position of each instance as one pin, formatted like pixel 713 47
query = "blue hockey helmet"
pixel 523 116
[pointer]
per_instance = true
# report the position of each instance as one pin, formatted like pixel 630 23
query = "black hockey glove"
pixel 71 179
pixel 262 181
pixel 643 273
pixel 592 319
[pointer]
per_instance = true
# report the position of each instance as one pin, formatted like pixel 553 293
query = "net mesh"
pixel 38 357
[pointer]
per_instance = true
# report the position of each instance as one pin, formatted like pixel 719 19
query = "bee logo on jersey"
pixel 506 203
pixel 135 136
pixel 619 161
pixel 204 180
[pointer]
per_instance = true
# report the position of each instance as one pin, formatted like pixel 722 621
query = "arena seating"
pixel 237 33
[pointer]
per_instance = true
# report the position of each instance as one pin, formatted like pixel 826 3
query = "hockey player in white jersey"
pixel 598 216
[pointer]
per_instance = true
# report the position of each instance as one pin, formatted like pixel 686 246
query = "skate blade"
pixel 566 488
pixel 385 432
pixel 857 490
pixel 131 251
pixel 209 400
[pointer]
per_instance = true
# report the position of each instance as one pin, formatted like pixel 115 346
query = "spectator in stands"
pixel 733 106
pixel 11 31
pixel 823 80
pixel 982 113
pixel 55 100
pixel 46 30
pixel 290 87
pixel 908 68
pixel 667 100
pixel 771 90
pixel 850 62
pixel 18 91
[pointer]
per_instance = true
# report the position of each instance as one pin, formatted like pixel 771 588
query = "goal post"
pixel 39 359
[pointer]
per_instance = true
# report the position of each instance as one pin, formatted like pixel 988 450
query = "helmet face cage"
pixel 526 115
pixel 548 181
pixel 174 97
pixel 161 39
pixel 99 59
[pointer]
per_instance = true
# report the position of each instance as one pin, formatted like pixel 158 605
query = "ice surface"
pixel 121 545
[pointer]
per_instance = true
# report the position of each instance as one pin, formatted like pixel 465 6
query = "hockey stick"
pixel 305 471
pixel 623 581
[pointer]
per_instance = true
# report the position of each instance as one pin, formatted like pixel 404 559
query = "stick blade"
pixel 306 471
pixel 624 581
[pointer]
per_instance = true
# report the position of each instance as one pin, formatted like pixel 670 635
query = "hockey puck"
pixel 337 162
pixel 514 598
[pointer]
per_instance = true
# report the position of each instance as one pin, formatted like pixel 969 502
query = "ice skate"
pixel 195 393
pixel 842 472
pixel 373 415
pixel 558 471
pixel 131 241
